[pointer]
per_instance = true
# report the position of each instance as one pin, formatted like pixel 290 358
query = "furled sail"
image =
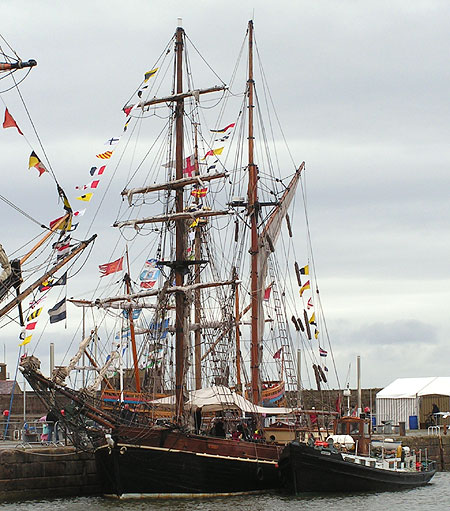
pixel 269 236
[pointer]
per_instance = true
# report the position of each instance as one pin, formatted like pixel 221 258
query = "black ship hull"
pixel 307 469
pixel 179 464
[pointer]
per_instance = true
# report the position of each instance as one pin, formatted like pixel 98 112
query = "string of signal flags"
pixel 58 311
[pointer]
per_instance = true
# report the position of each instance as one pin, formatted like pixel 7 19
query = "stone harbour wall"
pixel 46 472
pixel 437 448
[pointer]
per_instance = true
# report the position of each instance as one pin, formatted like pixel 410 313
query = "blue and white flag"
pixel 58 312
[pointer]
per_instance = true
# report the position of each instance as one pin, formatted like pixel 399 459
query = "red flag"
pixel 199 192
pixel 278 353
pixel 108 268
pixel 267 293
pixel 9 122
pixel 31 326
pixel 224 129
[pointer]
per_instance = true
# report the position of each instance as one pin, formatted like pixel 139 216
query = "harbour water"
pixel 434 497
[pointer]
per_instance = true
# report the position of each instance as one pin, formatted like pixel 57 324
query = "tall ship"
pixel 192 349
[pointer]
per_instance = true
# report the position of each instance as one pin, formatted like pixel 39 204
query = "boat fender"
pixel 260 474
pixel 300 324
pixel 317 375
pixel 322 374
pixel 123 450
pixel 308 329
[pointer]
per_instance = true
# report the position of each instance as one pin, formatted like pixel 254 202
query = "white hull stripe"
pixel 218 456
pixel 179 495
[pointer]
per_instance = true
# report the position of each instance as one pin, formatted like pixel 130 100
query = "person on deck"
pixel 52 419
pixel 219 429
pixel 435 412
pixel 5 422
pixel 313 417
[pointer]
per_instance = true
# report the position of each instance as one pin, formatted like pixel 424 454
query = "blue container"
pixel 413 422
pixel 374 422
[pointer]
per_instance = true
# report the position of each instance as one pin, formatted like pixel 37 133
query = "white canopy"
pixel 404 388
pixel 217 398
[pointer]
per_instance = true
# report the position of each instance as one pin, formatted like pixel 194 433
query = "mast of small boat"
pixel 358 376
pixel 253 209
pixel 180 236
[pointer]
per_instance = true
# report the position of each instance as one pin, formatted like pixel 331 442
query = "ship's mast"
pixel 253 209
pixel 180 304
pixel 132 331
pixel 197 292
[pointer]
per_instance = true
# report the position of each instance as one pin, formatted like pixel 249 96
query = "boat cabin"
pixel 358 428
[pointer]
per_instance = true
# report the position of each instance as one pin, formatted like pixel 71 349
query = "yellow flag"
pixel 34 314
pixel 213 152
pixel 149 74
pixel 26 341
pixel 86 197
pixel 305 286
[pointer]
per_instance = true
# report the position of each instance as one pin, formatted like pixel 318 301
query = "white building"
pixel 413 397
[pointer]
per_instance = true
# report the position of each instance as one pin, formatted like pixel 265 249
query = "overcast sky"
pixel 362 89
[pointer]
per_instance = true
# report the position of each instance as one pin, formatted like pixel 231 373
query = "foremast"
pixel 180 238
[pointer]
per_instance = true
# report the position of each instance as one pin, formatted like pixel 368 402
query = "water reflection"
pixel 434 497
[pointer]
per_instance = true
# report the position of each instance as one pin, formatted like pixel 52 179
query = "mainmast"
pixel 253 210
pixel 197 280
pixel 180 250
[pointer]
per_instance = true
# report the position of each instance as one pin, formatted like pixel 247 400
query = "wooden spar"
pixel 8 66
pixel 177 217
pixel 97 414
pixel 45 237
pixel 48 274
pixel 132 334
pixel 238 336
pixel 253 208
pixel 197 292
pixel 177 183
pixel 180 236
pixel 179 97
pixel 151 292
pixel 292 184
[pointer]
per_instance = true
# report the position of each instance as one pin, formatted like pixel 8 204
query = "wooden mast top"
pixel 253 209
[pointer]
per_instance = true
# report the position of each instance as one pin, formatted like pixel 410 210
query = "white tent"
pixel 217 398
pixel 400 400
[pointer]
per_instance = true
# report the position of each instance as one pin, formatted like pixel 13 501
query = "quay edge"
pixel 41 472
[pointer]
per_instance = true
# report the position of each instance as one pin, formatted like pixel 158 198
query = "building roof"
pixel 6 387
pixel 404 388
